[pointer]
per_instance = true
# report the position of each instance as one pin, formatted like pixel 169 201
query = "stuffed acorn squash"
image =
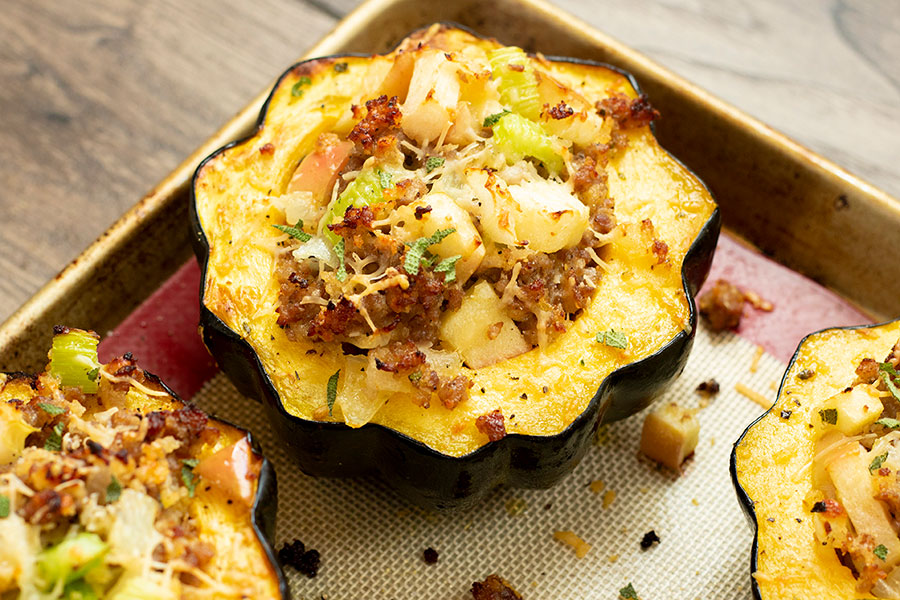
pixel 110 487
pixel 446 246
pixel 818 473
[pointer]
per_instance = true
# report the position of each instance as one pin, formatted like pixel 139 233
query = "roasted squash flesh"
pixel 660 209
pixel 124 491
pixel 815 473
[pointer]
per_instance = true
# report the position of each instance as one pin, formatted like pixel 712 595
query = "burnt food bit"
pixel 710 387
pixel 296 555
pixel 430 555
pixel 649 539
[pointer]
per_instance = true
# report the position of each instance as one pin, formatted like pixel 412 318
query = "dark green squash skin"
pixel 413 470
pixel 743 497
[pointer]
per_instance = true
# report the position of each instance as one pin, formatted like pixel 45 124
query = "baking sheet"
pixel 372 542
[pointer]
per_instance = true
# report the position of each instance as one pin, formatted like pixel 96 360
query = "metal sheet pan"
pixel 792 204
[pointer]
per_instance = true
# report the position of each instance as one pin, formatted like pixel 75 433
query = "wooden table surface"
pixel 100 99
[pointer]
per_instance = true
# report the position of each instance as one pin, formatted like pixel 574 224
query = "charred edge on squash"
pixel 514 457
pixel 743 497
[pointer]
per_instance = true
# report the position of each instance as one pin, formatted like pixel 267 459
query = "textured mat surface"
pixel 372 543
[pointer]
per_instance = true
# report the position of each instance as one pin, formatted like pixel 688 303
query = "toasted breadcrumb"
pixel 757 302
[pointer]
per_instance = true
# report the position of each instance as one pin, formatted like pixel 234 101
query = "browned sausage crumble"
pixel 494 587
pixel 410 212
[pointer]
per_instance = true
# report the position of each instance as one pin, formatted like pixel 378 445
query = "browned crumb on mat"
pixel 757 302
pixel 608 498
pixel 296 555
pixel 494 587
pixel 649 539
pixel 710 387
pixel 580 547
pixel 723 305
pixel 597 486
pixel 754 362
pixel 430 555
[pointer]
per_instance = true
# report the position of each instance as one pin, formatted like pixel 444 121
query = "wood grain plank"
pixel 821 71
pixel 99 102
pixel 101 98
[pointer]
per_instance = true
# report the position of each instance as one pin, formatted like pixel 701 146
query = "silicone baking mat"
pixel 372 542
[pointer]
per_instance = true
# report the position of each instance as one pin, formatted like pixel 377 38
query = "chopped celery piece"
pixel 149 586
pixel 79 590
pixel 71 558
pixel 517 137
pixel 518 88
pixel 73 358
pixel 366 189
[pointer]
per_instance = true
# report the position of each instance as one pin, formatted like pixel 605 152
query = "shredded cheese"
pixel 580 547
pixel 754 364
pixel 134 383
pixel 747 392
pixel 831 452
pixel 512 288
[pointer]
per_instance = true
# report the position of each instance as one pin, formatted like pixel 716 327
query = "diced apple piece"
pixel 855 491
pixel 432 97
pixel 584 127
pixel 396 82
pixel 444 214
pixel 465 242
pixel 319 169
pixel 548 216
pixel 670 435
pixel 855 408
pixel 229 470
pixel 543 214
pixel 472 329
pixel 358 405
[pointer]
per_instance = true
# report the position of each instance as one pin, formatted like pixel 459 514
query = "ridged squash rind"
pixel 770 468
pixel 420 469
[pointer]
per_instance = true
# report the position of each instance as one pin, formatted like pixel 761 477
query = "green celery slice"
pixel 73 358
pixel 365 190
pixel 518 89
pixel 71 558
pixel 517 137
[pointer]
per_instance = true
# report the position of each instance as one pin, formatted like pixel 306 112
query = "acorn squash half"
pixel 613 357
pixel 112 487
pixel 774 473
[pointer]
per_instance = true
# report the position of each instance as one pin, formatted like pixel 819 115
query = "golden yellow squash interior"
pixel 773 467
pixel 540 392
pixel 240 562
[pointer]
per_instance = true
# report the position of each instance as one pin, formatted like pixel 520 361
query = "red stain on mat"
pixel 801 305
pixel 162 334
